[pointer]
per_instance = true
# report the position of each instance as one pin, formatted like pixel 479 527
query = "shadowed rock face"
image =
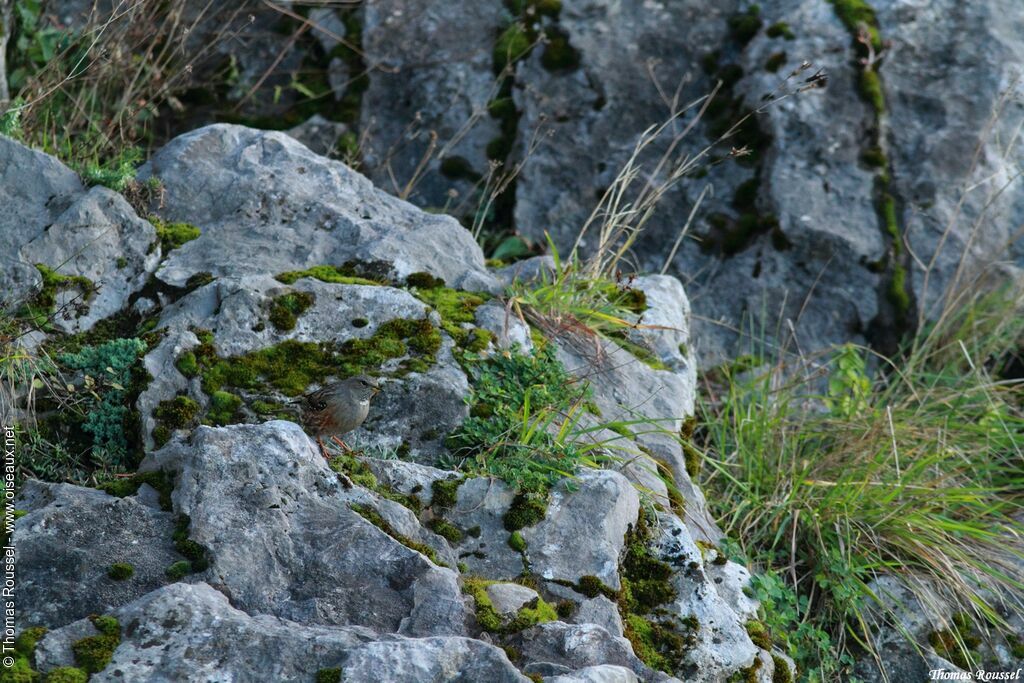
pixel 797 233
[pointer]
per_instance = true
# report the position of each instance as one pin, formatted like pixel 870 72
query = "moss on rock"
pixel 344 275
pixel 445 493
pixel 286 309
pixel 93 653
pixel 525 510
pixel 173 235
pixel 120 571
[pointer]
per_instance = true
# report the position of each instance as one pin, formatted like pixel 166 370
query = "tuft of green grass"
pixel 580 300
pixel 116 172
pixel 524 421
pixel 829 481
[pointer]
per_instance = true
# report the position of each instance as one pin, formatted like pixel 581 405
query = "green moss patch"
pixel 775 61
pixel 525 511
pixel 445 529
pixel 40 308
pixel 535 612
pixel 292 366
pixel 660 639
pixel 179 412
pixel 517 542
pixel 197 556
pixel 178 570
pixel 286 309
pixel 780 29
pixel 344 275
pixel 332 675
pixel 23 669
pixel 445 492
pixel 359 473
pixel 759 634
pixel 957 644
pixel 162 482
pixel 93 653
pixel 120 571
pixel 457 308
pixel 66 674
pixel 781 672
pixel 173 235
pixel 743 26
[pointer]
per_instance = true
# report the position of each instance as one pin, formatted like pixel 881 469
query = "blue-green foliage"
pixel 109 366
pixel 522 412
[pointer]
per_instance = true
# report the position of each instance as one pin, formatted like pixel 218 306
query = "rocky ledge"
pixel 257 270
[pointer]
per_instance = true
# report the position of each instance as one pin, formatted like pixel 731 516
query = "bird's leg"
pixel 341 443
pixel 323 448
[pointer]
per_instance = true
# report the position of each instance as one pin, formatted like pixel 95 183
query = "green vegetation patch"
pixel 331 675
pixel 343 275
pixel 108 370
pixel 196 555
pixel 179 412
pixel 456 309
pixel 93 653
pixel 359 473
pixel 526 510
pixel 445 492
pixel 957 644
pixel 23 670
pixel 286 309
pixel 291 366
pixel 537 611
pixel 780 29
pixel 445 529
pixel 40 308
pixel 66 674
pixel 517 542
pixel 660 639
pixel 743 26
pixel 120 571
pixel 514 398
pixel 173 235
pixel 159 480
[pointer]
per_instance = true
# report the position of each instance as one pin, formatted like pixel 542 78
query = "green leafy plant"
pixel 107 372
pixel 524 423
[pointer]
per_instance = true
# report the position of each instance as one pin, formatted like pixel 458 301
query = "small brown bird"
pixel 337 408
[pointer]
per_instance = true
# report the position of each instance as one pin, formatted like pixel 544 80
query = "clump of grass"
pixel 524 419
pixel 833 478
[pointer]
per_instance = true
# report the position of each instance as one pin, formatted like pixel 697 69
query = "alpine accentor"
pixel 337 408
